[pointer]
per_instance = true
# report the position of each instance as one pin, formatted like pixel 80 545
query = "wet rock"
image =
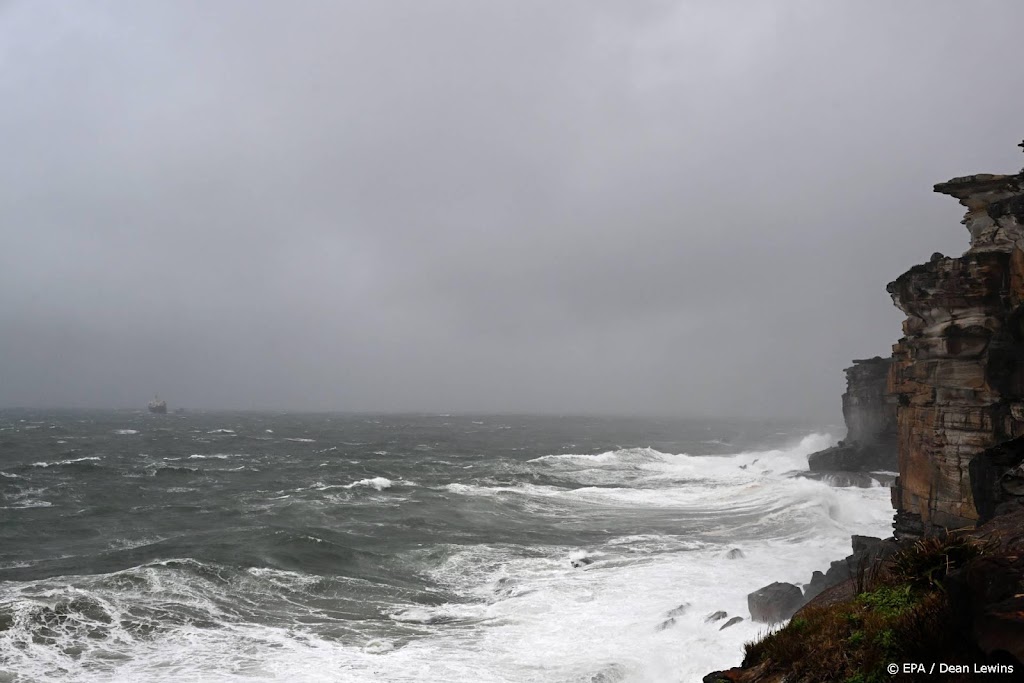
pixel 867 552
pixel 715 616
pixel 988 592
pixel 716 677
pixel 852 457
pixel 614 673
pixel 775 602
pixel 734 554
pixel 678 611
pixel 863 544
pixel 578 562
pixel 997 479
pixel 668 623
pixel 731 622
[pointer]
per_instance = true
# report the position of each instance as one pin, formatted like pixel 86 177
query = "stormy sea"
pixel 289 547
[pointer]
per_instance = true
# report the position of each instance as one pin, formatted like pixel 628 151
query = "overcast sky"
pixel 545 206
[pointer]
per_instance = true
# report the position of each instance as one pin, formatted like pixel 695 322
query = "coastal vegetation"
pixel 903 611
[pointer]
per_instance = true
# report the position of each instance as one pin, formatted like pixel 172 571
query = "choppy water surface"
pixel 258 547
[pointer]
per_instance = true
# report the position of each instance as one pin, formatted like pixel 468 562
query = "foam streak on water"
pixel 401 548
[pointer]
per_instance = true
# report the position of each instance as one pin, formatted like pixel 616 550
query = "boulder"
pixel 863 544
pixel 775 602
pixel 731 622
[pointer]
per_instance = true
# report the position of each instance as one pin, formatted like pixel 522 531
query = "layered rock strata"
pixel 958 373
pixel 869 411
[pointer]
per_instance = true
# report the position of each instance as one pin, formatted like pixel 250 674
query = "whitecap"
pixel 126 431
pixel 63 462
pixel 380 483
pixel 378 647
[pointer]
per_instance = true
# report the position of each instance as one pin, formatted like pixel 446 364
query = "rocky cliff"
pixel 957 379
pixel 869 411
pixel 958 373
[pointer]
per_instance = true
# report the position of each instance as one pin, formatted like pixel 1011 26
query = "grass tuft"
pixel 900 614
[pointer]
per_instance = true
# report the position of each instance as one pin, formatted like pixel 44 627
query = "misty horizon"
pixel 663 209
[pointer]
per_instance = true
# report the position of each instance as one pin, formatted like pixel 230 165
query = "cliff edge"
pixel 953 590
pixel 958 372
pixel 869 411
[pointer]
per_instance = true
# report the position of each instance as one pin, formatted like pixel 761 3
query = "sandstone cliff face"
pixel 958 373
pixel 868 408
pixel 869 411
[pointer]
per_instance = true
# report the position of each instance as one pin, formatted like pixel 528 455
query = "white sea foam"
pixel 215 456
pixel 379 483
pixel 221 431
pixel 65 462
pixel 126 431
pixel 524 613
pixel 300 440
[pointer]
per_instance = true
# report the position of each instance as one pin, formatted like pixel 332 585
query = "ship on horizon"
pixel 157 405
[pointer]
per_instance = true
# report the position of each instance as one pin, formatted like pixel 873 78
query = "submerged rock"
pixel 731 622
pixel 715 616
pixel 775 602
pixel 734 554
pixel 864 480
pixel 578 562
pixel 678 611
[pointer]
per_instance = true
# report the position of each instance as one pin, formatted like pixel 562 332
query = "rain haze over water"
pixel 572 207
pixel 500 331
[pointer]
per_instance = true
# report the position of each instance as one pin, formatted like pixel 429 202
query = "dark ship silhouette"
pixel 158 406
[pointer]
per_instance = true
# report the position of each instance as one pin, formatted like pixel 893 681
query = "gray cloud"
pixel 647 207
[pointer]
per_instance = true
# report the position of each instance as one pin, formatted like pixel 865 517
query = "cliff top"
pixel 876 360
pixel 970 186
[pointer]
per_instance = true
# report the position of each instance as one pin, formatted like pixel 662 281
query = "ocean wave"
pixel 310 603
pixel 652 468
pixel 126 431
pixel 24 504
pixel 379 483
pixel 66 463
pixel 300 440
pixel 442 614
